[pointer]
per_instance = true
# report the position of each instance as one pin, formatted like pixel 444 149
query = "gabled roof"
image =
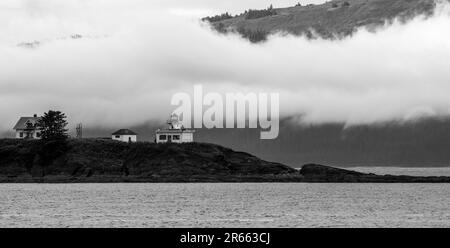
pixel 21 124
pixel 124 132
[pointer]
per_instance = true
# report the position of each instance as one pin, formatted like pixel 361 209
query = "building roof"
pixel 21 124
pixel 175 131
pixel 124 132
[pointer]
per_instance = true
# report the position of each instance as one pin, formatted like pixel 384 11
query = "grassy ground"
pixel 333 19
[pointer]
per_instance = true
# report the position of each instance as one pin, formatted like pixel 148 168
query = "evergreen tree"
pixel 53 125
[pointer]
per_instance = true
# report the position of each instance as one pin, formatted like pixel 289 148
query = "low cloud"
pixel 133 56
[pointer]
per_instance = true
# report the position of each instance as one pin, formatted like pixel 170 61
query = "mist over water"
pixel 131 58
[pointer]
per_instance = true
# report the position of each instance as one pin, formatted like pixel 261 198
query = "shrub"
pixel 254 36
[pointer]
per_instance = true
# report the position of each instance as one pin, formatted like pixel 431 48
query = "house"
pixel 125 135
pixel 175 133
pixel 26 128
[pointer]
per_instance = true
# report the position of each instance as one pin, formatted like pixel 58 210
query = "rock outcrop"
pixel 103 160
pixel 321 173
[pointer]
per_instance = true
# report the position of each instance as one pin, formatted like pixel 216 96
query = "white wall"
pixel 125 138
pixel 167 138
pixel 34 134
pixel 184 137
pixel 187 137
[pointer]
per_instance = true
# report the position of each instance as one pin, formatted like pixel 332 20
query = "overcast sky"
pixel 136 54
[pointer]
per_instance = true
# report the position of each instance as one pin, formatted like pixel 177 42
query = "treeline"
pixel 218 18
pixel 255 14
pixel 248 14
pixel 344 4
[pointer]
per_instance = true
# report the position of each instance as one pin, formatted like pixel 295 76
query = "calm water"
pixel 225 205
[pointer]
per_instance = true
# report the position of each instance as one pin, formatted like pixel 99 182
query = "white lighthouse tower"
pixel 175 133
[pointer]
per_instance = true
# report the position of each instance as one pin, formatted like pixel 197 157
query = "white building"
pixel 176 133
pixel 26 128
pixel 125 135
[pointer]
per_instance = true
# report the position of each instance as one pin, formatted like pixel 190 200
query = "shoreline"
pixel 327 175
pixel 108 161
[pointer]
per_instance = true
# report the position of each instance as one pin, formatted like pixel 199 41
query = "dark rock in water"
pixel 322 173
pixel 322 170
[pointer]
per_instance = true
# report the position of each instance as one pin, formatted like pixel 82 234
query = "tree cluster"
pixel 218 18
pixel 255 14
pixel 254 36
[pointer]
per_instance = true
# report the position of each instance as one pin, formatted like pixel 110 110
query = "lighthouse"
pixel 175 132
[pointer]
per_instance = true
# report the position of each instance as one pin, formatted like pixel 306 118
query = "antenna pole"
pixel 79 129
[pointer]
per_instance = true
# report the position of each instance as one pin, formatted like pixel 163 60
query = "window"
pixel 21 135
pixel 162 137
pixel 117 136
pixel 176 137
pixel 38 134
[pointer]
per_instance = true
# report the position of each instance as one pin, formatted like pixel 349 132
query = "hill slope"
pixel 334 19
pixel 103 160
pixel 97 160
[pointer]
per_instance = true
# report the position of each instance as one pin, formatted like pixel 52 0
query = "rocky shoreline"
pixel 321 174
pixel 107 161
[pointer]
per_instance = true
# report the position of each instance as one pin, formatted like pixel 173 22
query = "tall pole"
pixel 79 129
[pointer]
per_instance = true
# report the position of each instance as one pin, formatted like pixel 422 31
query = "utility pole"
pixel 79 129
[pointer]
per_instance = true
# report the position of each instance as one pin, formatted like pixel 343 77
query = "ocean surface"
pixel 224 205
